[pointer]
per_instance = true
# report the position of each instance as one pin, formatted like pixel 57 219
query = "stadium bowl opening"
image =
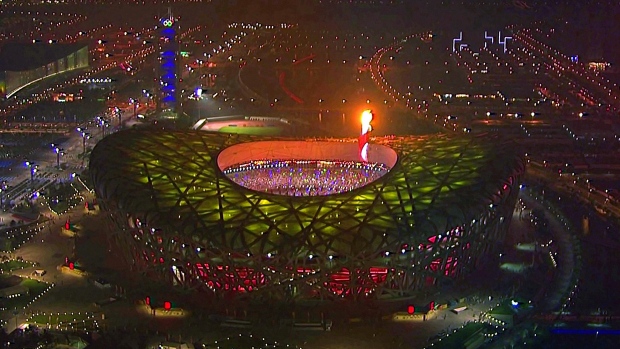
pixel 302 168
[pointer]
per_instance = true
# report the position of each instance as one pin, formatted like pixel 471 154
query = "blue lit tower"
pixel 168 52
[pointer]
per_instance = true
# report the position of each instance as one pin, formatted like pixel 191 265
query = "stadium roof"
pixel 172 181
pixel 26 56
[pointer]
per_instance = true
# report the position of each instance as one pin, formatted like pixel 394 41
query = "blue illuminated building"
pixel 167 102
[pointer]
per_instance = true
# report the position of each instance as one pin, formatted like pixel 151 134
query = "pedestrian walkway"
pixel 562 234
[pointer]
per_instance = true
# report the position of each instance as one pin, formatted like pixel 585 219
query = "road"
pixel 568 184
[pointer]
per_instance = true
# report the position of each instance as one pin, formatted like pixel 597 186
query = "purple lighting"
pixel 487 37
pixel 455 40
pixel 503 43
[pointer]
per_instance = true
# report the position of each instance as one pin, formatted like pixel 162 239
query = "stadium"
pixel 305 218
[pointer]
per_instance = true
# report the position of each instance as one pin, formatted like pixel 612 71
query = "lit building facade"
pixel 24 64
pixel 168 56
pixel 445 202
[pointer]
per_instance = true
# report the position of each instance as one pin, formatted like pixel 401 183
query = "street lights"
pixel 136 104
pixel 59 151
pixel 85 136
pixel 33 169
pixel 103 123
pixel 148 96
pixel 118 112
pixel 198 96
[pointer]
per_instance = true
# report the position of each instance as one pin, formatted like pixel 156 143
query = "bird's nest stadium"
pixel 291 218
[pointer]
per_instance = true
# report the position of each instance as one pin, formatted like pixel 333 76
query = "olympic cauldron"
pixel 176 215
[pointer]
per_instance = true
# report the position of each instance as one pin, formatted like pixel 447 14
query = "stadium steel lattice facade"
pixel 446 202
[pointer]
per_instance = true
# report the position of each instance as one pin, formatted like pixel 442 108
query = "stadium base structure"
pixel 444 203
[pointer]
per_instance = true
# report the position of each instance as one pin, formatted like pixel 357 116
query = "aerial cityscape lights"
pixel 437 266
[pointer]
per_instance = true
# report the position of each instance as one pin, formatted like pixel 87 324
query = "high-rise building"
pixel 168 73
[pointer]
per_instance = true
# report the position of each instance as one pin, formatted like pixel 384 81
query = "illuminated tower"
pixel 168 52
pixel 365 136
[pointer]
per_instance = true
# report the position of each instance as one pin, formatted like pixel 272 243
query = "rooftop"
pixel 172 180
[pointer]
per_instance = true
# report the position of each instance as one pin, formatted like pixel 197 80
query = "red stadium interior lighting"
pixel 245 279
